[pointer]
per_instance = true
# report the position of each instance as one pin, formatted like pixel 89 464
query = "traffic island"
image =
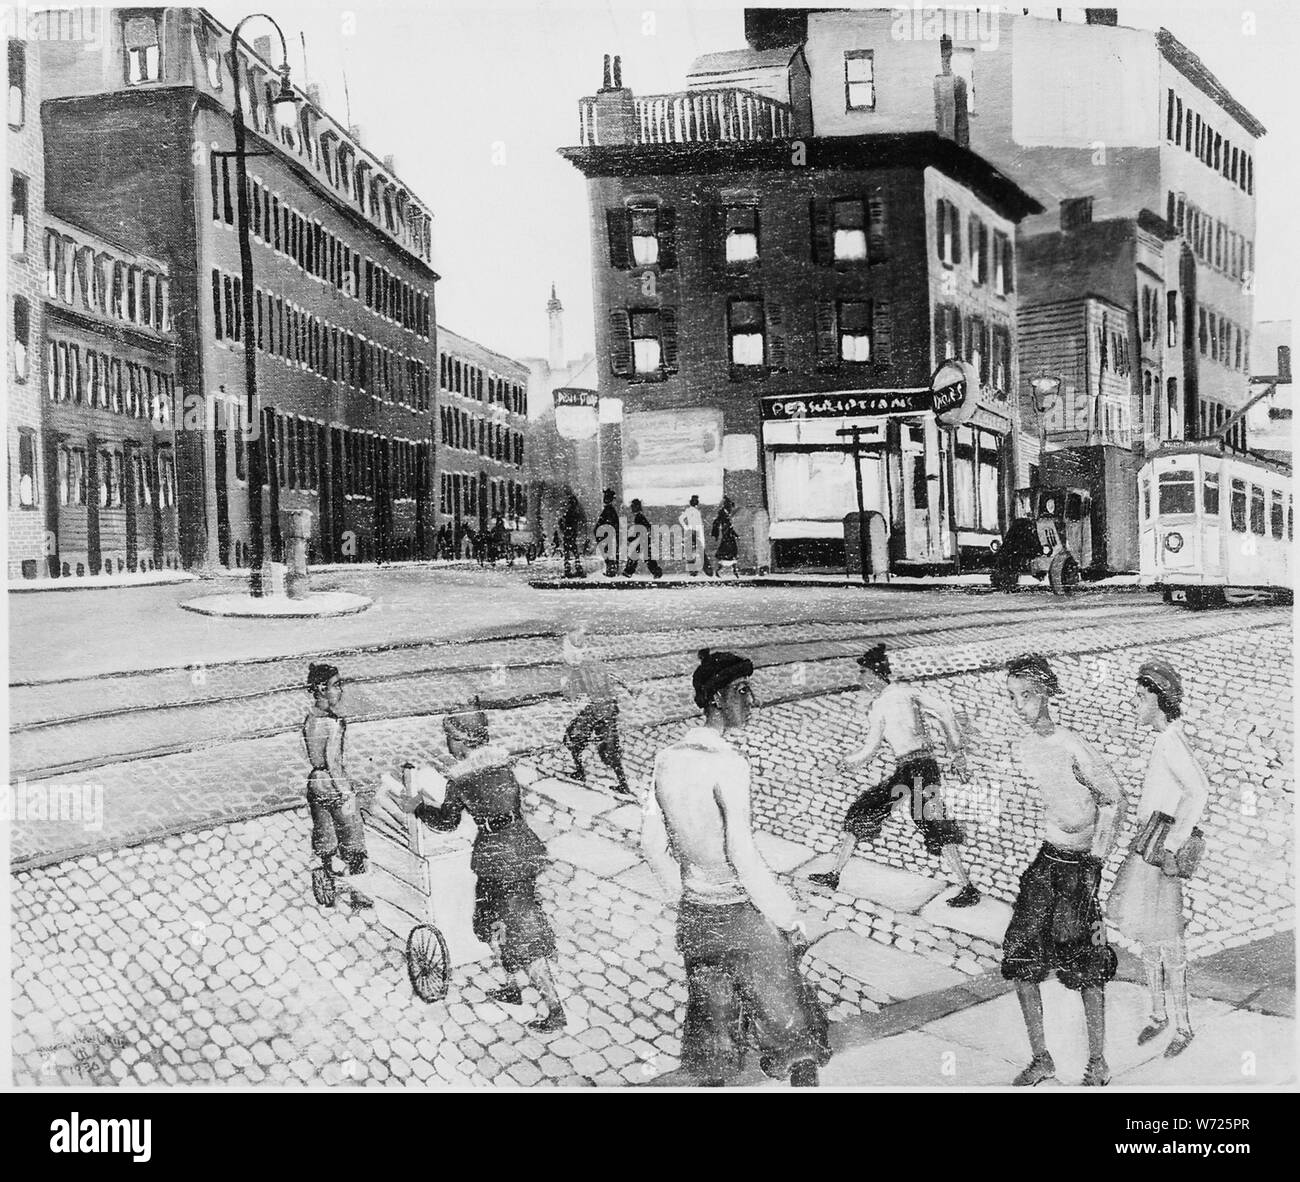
pixel 274 607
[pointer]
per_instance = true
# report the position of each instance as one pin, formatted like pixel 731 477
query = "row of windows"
pixel 151 478
pixel 95 379
pixel 302 339
pixel 386 205
pixel 1161 421
pixel 458 495
pixel 1221 340
pixel 1266 513
pixel 1211 241
pixel 81 277
pixel 1190 131
pixel 459 429
pixel 463 377
pixel 1212 416
pixel 320 253
pixel 987 348
pixel 990 260
pixel 1150 316
pixel 1113 350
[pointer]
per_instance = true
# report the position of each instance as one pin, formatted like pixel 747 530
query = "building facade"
pixel 139 145
pixel 761 292
pixel 109 439
pixel 25 271
pixel 482 417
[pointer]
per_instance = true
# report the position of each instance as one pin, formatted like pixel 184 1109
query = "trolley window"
pixel 1210 494
pixel 1146 500
pixel 1239 506
pixel 1289 516
pixel 1257 510
pixel 1275 514
pixel 1177 492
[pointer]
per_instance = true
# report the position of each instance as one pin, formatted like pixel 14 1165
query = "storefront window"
pixel 989 461
pixel 964 479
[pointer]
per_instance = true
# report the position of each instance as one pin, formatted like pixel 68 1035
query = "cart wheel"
pixel 324 887
pixel 427 962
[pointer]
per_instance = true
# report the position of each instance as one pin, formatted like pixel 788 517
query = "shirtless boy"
pixel 1056 923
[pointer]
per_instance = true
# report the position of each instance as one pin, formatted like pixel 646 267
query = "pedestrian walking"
pixel 466 542
pixel 573 526
pixel 897 716
pixel 638 545
pixel 724 533
pixel 586 677
pixel 692 523
pixel 506 860
pixel 332 796
pixel 1056 923
pixel 1146 902
pixel 737 928
pixel 501 542
pixel 606 531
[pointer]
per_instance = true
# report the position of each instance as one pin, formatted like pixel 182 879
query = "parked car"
pixel 1050 536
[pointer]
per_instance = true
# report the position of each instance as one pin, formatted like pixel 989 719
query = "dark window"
pixel 746 332
pixel 1177 492
pixel 850 223
pixel 1276 515
pixel 741 233
pixel 859 80
pixel 17 83
pixel 854 317
pixel 18 215
pixel 1257 510
pixel 140 36
pixel 22 337
pixel 1210 494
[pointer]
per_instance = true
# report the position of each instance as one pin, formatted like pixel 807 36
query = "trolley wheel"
pixel 324 887
pixel 1063 574
pixel 427 962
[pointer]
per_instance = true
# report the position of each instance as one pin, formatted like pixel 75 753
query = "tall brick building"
pixel 139 148
pixel 482 430
pixel 747 271
pixel 24 380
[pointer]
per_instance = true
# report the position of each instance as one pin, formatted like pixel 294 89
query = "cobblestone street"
pixel 173 937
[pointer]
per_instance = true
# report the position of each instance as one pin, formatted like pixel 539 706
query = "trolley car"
pixel 1215 525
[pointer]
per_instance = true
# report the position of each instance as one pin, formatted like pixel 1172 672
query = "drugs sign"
pixel 955 390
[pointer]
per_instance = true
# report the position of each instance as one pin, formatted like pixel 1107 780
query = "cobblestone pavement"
pixel 201 957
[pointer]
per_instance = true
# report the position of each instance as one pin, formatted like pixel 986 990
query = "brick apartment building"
pixel 759 289
pixel 482 408
pixel 139 148
pixel 24 381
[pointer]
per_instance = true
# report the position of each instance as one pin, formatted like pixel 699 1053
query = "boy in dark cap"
pixel 606 531
pixel 507 858
pixel 336 825
pixel 737 927
pixel 897 716
pixel 1056 923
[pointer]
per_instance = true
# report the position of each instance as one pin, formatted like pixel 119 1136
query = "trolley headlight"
pixel 1173 542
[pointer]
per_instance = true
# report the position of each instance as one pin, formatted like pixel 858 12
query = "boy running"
pixel 896 716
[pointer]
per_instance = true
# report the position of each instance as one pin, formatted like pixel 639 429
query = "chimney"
pixel 355 132
pixel 313 94
pixel 390 163
pixel 1076 212
pixel 1101 16
pixel 262 47
pixel 950 119
pixel 615 113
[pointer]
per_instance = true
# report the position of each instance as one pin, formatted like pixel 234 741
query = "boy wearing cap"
pixel 897 717
pixel 586 677
pixel 639 545
pixel 1056 922
pixel 606 531
pixel 737 927
pixel 1146 902
pixel 506 860
pixel 336 825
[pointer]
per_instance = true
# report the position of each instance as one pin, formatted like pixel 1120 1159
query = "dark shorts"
pixel 335 819
pixel 735 957
pixel 525 933
pixel 917 781
pixel 1057 925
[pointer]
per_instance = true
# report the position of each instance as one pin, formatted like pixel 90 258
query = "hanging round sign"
pixel 955 389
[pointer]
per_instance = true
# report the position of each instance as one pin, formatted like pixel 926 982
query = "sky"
pixel 473 102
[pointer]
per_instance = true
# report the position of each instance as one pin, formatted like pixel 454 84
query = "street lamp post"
pixel 285 110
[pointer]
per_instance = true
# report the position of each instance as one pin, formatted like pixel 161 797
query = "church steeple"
pixel 555 313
